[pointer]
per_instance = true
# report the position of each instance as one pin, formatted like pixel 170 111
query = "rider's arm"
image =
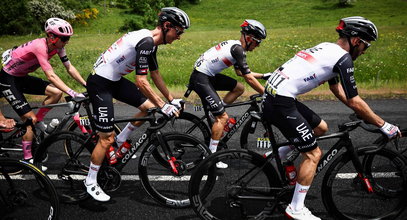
pixel 56 81
pixel 146 60
pixel 145 87
pixel 159 83
pixel 242 69
pixel 74 73
pixel 70 68
pixel 347 91
pixel 252 81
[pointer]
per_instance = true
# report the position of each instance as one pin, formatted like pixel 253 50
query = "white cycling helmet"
pixel 58 27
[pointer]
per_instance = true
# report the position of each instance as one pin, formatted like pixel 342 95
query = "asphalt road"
pixel 130 201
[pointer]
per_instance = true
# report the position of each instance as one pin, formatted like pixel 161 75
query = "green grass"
pixel 292 25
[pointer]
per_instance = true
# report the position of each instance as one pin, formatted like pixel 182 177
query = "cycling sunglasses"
pixel 178 31
pixel 257 40
pixel 367 44
pixel 64 38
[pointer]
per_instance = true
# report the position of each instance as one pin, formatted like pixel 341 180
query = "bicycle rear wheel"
pixel 188 123
pixel 68 171
pixel 245 190
pixel 345 196
pixel 158 179
pixel 29 195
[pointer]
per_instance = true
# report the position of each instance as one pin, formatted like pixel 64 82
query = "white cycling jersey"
pixel 312 67
pixel 134 51
pixel 222 56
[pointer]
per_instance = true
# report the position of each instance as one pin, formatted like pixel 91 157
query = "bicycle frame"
pixel 343 142
pixel 254 107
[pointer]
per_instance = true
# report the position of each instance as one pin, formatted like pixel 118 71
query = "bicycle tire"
pixel 221 199
pixel 397 144
pixel 255 137
pixel 70 170
pixel 341 184
pixel 75 128
pixel 167 188
pixel 30 195
pixel 188 123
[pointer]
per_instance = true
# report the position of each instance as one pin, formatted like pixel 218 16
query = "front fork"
pixel 167 152
pixel 361 172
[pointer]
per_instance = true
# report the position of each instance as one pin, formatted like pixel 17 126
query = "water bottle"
pixel 51 126
pixel 123 149
pixel 290 172
pixel 231 122
pixel 111 156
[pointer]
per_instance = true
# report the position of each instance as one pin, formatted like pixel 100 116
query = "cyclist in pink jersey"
pixel 20 61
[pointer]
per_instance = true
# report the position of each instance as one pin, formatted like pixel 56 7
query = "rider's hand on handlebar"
pixel 7 123
pixel 170 110
pixel 266 76
pixel 75 94
pixel 390 130
pixel 177 103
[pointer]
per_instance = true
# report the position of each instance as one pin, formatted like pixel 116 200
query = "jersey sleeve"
pixel 344 68
pixel 240 56
pixel 152 62
pixel 144 56
pixel 40 52
pixel 62 55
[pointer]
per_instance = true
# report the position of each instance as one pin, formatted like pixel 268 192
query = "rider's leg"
pixel 28 136
pixel 131 126
pixel 98 155
pixel 217 130
pixel 231 96
pixel 53 95
pixel 306 172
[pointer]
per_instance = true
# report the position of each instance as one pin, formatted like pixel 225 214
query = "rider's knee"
pixel 239 88
pixel 222 118
pixel 321 129
pixel 106 139
pixel 315 155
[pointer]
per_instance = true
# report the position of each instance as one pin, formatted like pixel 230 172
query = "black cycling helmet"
pixel 357 26
pixel 175 16
pixel 254 28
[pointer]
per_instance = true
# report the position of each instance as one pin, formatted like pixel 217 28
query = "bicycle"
pixel 80 121
pixel 30 195
pixel 256 187
pixel 251 135
pixel 166 157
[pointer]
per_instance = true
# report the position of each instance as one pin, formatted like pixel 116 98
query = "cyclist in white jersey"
pixel 206 78
pixel 332 62
pixel 135 51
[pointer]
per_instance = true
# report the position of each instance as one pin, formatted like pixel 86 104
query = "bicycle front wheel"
pixel 68 170
pixel 157 176
pixel 246 189
pixel 398 144
pixel 345 195
pixel 28 195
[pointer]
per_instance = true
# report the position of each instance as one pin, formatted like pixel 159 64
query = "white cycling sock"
pixel 92 174
pixel 284 150
pixel 297 203
pixel 213 145
pixel 122 137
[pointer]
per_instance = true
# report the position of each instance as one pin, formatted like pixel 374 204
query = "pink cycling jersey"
pixel 29 56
